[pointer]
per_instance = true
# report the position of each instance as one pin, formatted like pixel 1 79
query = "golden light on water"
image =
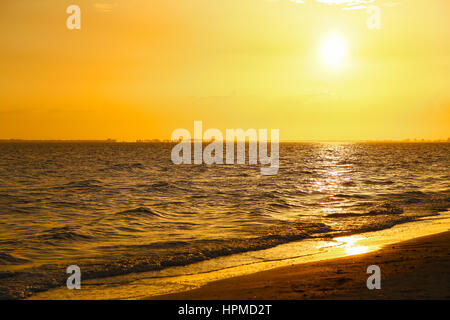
pixel 348 244
pixel 350 247
pixel 356 250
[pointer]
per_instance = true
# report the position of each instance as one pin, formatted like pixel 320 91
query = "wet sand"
pixel 414 269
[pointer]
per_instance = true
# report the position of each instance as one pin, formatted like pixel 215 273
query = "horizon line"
pixel 109 140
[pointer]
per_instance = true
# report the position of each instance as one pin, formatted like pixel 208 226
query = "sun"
pixel 334 51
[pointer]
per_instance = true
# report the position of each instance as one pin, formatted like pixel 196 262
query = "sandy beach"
pixel 414 269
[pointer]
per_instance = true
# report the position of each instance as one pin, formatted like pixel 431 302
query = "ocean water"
pixel 121 208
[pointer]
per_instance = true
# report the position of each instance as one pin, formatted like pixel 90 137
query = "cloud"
pixel 347 4
pixel 105 6
pixel 391 4
pixel 359 7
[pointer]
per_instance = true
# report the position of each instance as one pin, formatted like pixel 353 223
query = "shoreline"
pixel 414 269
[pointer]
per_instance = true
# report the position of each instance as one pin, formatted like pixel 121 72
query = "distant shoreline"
pixel 56 141
pixel 169 141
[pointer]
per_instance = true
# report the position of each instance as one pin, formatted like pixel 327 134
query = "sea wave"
pixel 65 233
pixel 140 211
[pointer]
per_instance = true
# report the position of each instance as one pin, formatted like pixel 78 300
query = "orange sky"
pixel 139 69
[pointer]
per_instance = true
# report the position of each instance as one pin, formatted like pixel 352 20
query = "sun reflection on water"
pixel 348 244
pixel 356 250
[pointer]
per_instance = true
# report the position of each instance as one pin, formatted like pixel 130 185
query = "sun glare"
pixel 334 51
